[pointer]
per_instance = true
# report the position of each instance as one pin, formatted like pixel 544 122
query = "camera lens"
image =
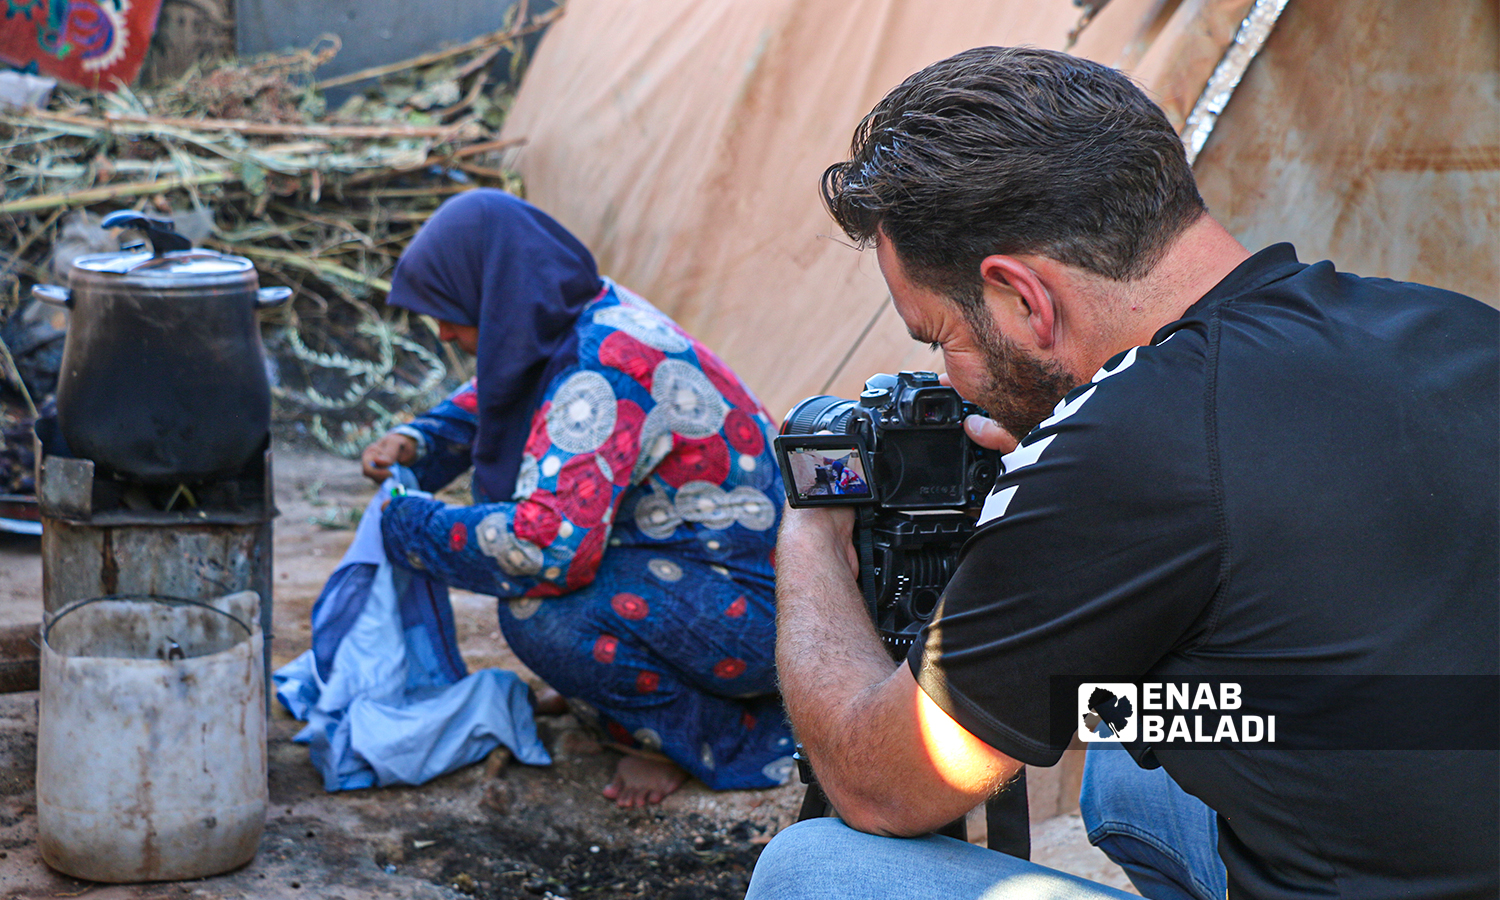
pixel 822 413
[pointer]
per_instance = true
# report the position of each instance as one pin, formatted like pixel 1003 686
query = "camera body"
pixel 901 456
pixel 900 446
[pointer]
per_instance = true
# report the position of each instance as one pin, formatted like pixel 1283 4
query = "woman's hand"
pixel 378 458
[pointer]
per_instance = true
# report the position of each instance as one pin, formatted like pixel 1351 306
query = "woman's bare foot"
pixel 643 781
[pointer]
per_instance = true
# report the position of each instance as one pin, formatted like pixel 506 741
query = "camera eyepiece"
pixel 936 407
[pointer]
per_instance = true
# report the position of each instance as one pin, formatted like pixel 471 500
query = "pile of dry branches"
pixel 245 159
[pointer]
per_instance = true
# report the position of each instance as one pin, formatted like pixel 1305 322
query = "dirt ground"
pixel 488 831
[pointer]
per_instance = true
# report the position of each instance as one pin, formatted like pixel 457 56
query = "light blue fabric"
pixel 824 859
pixel 384 690
pixel 1164 838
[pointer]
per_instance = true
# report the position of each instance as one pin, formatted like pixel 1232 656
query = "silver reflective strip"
pixel 1226 77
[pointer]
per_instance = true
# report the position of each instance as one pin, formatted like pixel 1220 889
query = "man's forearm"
pixel 828 657
pixel 827 651
pixel 888 758
pixel 885 755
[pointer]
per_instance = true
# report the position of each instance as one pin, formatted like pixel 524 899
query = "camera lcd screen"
pixel 923 468
pixel 824 470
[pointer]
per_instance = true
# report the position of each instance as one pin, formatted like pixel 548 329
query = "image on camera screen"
pixel 828 474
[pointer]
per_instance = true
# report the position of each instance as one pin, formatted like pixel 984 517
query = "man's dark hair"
pixel 1015 150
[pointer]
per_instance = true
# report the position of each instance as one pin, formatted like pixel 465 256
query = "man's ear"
pixel 1020 288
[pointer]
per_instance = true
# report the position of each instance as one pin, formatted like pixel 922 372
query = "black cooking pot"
pixel 163 374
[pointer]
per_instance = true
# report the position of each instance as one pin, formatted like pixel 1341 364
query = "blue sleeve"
pixel 445 437
pixel 443 542
pixel 551 540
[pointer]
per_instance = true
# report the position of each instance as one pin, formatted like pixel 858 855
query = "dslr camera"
pixel 900 455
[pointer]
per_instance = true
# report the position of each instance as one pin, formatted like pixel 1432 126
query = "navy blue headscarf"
pixel 491 260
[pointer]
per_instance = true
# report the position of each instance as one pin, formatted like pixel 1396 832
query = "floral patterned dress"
pixel 635 559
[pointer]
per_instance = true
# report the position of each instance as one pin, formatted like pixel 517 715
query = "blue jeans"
pixel 824 859
pixel 1164 838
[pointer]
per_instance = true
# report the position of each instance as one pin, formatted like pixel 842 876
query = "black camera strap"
pixel 864 543
pixel 1007 818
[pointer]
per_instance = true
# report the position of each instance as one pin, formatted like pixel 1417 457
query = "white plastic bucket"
pixel 151 740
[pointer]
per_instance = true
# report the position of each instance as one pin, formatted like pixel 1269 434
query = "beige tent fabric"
pixel 1369 134
pixel 683 140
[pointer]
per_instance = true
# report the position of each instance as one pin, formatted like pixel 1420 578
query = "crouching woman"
pixel 626 498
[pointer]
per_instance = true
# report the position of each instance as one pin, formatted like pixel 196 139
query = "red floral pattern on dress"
pixel 729 668
pixel 467 398
pixel 458 537
pixel 621 449
pixel 537 518
pixel 695 459
pixel 630 606
pixel 723 379
pixel 539 441
pixel 568 516
pixel 585 562
pixel 618 733
pixel 623 352
pixel 583 493
pixel 743 432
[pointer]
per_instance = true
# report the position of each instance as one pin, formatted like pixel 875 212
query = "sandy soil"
pixel 493 830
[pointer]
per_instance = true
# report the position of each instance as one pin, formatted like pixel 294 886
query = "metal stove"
pixel 102 536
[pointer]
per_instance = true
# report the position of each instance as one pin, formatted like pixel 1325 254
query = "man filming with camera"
pixel 1258 496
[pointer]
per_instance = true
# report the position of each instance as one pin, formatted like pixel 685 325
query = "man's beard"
pixel 1019 390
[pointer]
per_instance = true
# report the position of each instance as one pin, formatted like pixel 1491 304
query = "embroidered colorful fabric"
pixel 636 555
pixel 90 43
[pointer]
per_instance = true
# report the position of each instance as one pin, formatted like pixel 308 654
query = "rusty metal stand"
pixel 99 539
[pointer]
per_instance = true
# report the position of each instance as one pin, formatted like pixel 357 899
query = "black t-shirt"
pixel 1294 488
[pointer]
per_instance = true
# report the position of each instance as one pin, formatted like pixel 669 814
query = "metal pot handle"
pixel 160 232
pixel 271 297
pixel 55 294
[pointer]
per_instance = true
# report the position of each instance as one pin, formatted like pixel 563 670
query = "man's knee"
pixel 802 860
pixel 1108 777
pixel 806 840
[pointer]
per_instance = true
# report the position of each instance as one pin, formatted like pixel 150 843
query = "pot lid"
pixel 193 265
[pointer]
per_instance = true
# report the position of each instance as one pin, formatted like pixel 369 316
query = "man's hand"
pixel 887 756
pixel 823 532
pixel 378 458
pixel 985 432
